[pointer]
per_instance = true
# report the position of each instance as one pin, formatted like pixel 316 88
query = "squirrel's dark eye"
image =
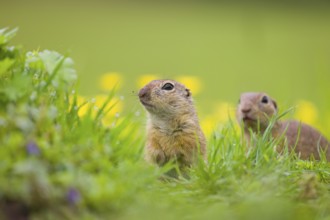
pixel 264 100
pixel 168 86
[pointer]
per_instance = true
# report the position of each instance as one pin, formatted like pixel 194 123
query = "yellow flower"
pixel 115 106
pixel 222 114
pixel 193 83
pixel 306 112
pixel 224 111
pixel 109 81
pixel 81 104
pixel 83 109
pixel 208 125
pixel 145 79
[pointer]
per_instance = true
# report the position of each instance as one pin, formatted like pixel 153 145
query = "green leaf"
pixel 33 61
pixel 5 65
pixel 18 87
pixel 6 36
pixel 65 72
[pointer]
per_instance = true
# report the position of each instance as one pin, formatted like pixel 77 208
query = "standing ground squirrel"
pixel 255 111
pixel 173 131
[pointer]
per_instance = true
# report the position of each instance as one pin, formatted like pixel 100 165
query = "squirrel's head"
pixel 255 110
pixel 165 98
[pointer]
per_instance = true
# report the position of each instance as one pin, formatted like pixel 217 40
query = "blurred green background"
pixel 282 48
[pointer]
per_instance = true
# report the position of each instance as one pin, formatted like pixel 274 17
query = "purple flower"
pixel 32 148
pixel 73 196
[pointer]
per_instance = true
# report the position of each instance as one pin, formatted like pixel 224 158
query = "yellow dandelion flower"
pixel 224 111
pixel 145 79
pixel 100 100
pixel 306 112
pixel 221 114
pixel 115 104
pixel 192 82
pixel 81 104
pixel 208 125
pixel 109 81
pixel 80 100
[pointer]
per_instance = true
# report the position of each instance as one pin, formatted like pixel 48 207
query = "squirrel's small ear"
pixel 275 104
pixel 188 93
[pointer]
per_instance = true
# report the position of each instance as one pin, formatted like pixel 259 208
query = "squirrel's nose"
pixel 246 110
pixel 143 93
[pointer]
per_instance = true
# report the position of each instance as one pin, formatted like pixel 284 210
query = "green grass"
pixel 61 166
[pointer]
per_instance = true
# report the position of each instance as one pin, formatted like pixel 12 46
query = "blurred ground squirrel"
pixel 255 110
pixel 173 131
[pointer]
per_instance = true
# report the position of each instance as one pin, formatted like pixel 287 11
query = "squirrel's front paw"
pixel 156 156
pixel 160 158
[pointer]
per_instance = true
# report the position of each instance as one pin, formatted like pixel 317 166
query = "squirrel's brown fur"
pixel 173 131
pixel 255 110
